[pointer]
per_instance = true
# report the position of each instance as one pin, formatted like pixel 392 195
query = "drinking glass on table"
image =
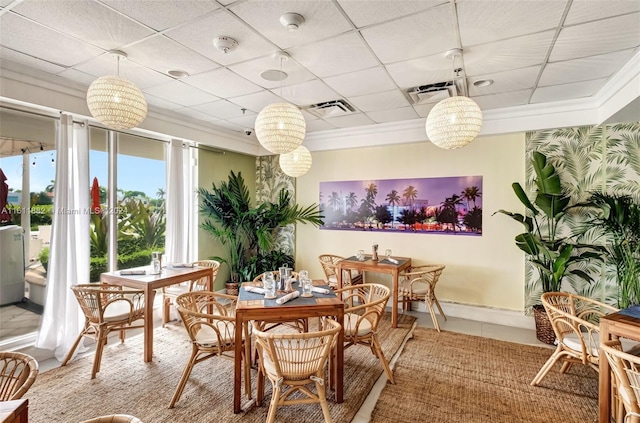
pixel 269 283
pixel 360 255
pixel 306 286
pixel 387 253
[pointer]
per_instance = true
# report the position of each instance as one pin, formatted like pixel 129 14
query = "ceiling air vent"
pixel 331 108
pixel 431 93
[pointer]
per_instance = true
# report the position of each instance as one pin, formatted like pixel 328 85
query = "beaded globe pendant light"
pixel 280 127
pixel 116 102
pixel 455 121
pixel 296 163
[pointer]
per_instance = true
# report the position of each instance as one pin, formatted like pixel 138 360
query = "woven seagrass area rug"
pixel 127 385
pixel 450 377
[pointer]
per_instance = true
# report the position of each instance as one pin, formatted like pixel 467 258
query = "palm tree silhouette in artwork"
pixel 334 201
pixel 409 194
pixel 351 201
pixel 471 194
pixel 393 198
pixel 448 213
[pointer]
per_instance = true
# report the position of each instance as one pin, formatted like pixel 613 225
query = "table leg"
pixel 339 277
pixel 149 295
pixel 340 361
pixel 604 376
pixel 237 367
pixel 394 301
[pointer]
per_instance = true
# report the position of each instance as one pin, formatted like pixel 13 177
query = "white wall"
pixel 487 270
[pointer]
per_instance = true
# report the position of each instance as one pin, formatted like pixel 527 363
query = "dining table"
pixel 253 306
pixel 392 266
pixel 622 324
pixel 143 279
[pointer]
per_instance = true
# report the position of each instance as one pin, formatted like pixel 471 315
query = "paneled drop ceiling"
pixel 368 53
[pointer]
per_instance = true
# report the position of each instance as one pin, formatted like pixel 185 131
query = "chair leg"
pixel 433 315
pixel 322 396
pixel 557 354
pixel 381 357
pixel 100 343
pixel 247 372
pixel 185 376
pixel 435 300
pixel 275 399
pixel 73 348
pixel 166 309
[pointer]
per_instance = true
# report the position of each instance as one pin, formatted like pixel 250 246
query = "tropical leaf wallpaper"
pixel 270 179
pixel 589 159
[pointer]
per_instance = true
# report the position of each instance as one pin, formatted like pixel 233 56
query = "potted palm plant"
pixel 249 231
pixel 554 256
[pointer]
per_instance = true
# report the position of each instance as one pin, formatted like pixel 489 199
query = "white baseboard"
pixel 483 314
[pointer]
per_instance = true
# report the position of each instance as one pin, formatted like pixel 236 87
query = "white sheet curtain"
pixel 181 204
pixel 69 250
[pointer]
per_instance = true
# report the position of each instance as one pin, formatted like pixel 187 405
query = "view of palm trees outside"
pixel 451 205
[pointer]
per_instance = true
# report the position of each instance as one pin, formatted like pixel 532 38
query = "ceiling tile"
pixel 163 14
pixel 513 53
pixel 86 20
pixel 409 37
pixel 503 100
pixel 597 37
pixel 342 54
pixel 192 112
pixel 423 109
pixel 393 115
pixel 379 101
pixel 222 83
pixel 369 12
pixel 567 91
pixel 161 102
pixel 588 68
pixel 362 82
pixel 350 121
pixel 77 76
pixel 252 69
pixel 247 121
pixel 23 59
pixel 256 101
pixel 21 34
pixel 590 10
pixel 513 80
pixel 319 125
pixel 491 20
pixel 229 125
pixel 162 54
pixel 308 93
pixel 421 71
pixel 181 93
pixel 221 109
pixel 107 64
pixel 199 35
pixel 322 20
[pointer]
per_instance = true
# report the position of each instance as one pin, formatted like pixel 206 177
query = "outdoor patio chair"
pixel 212 333
pixel 419 284
pixel 295 360
pixel 18 371
pixel 329 263
pixel 170 293
pixel 364 305
pixel 106 308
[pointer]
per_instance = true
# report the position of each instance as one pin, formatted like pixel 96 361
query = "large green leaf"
pixel 547 179
pixel 524 199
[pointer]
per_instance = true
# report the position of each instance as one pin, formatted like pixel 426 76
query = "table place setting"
pixel 180 265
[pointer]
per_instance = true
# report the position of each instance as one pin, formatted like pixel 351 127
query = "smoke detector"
pixel 291 21
pixel 225 44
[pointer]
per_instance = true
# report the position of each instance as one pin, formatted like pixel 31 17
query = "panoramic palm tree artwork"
pixel 447 205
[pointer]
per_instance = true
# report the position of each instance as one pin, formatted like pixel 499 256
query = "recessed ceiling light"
pixel 178 73
pixel 483 82
pixel 273 75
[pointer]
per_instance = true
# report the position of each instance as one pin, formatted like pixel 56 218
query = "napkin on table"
pixel 179 265
pixel 254 289
pixel 392 260
pixel 320 290
pixel 288 297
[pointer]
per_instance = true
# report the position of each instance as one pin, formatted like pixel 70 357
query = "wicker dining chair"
pixel 106 308
pixel 575 322
pixel 329 263
pixel 419 284
pixel 18 371
pixel 364 306
pixel 114 418
pixel 211 333
pixel 170 293
pixel 625 369
pixel 295 360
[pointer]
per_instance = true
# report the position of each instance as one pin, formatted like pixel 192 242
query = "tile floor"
pixel 470 327
pixel 17 321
